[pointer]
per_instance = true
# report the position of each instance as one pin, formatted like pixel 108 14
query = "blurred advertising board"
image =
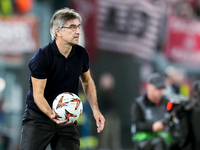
pixel 88 10
pixel 128 27
pixel 18 35
pixel 182 44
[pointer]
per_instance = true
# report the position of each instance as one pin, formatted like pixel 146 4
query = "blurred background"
pixel 126 40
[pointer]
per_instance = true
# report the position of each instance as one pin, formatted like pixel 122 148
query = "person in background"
pixel 4 138
pixel 147 112
pixel 56 68
pixel 110 137
pixel 194 116
pixel 176 83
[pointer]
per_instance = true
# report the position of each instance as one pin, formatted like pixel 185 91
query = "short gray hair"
pixel 60 18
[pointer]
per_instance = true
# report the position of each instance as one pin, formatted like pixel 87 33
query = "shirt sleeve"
pixel 39 65
pixel 138 120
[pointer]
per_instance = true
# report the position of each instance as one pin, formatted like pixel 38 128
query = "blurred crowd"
pixel 184 8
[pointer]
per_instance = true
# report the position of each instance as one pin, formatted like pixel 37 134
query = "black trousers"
pixel 38 131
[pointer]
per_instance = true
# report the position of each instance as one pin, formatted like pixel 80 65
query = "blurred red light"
pixel 169 105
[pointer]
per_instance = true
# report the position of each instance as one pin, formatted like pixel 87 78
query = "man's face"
pixel 69 34
pixel 154 94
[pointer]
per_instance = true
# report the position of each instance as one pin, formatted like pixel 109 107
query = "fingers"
pixel 100 121
pixel 99 129
pixel 100 124
pixel 60 122
pixel 66 123
pixel 63 122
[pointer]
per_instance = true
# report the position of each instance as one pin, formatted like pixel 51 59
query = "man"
pixel 146 114
pixel 55 69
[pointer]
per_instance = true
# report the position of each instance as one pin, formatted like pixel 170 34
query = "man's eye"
pixel 73 27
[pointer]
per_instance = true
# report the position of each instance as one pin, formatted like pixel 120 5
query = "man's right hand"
pixel 60 122
pixel 157 126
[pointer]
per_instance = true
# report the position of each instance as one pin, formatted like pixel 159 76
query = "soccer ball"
pixel 67 106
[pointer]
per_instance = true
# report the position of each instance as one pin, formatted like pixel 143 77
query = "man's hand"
pixel 157 126
pixel 60 122
pixel 90 90
pixel 100 121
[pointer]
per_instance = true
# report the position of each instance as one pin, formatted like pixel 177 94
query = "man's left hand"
pixel 100 121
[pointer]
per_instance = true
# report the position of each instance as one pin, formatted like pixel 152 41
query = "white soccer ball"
pixel 67 106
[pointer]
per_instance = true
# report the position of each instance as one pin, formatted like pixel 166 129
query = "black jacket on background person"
pixel 144 113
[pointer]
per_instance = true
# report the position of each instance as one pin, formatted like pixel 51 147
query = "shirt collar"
pixel 55 50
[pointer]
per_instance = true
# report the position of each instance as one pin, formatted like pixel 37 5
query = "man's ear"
pixel 58 32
